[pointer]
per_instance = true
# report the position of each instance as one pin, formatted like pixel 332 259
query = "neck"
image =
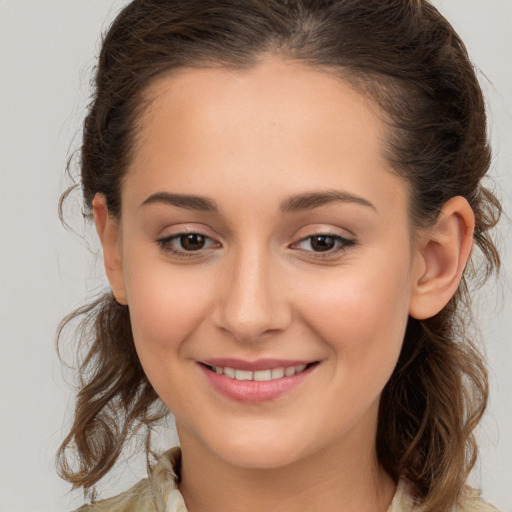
pixel 335 478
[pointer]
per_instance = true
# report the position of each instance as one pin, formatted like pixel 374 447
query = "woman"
pixel 287 194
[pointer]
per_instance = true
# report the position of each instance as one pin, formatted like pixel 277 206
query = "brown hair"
pixel 409 59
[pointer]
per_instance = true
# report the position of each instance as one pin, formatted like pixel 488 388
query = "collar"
pixel 164 480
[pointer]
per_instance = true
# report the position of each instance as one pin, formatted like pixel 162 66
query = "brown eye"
pixel 322 243
pixel 188 244
pixel 326 243
pixel 192 241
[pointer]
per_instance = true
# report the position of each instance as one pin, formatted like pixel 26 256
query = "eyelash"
pixel 342 244
pixel 166 244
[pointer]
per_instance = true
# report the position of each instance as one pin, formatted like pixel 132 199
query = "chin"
pixel 263 448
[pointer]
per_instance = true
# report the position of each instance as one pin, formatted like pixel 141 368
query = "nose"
pixel 253 300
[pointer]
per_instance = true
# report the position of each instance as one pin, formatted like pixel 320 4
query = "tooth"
pixel 263 375
pixel 277 373
pixel 229 372
pixel 290 371
pixel 243 375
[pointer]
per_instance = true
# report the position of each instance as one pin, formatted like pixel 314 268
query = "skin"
pixel 249 141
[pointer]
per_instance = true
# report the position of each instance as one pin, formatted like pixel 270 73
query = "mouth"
pixel 257 382
pixel 263 375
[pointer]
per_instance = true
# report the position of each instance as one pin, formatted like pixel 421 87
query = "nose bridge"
pixel 253 301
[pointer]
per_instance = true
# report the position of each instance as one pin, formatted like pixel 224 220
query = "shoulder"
pixel 469 501
pixel 136 498
pixel 156 493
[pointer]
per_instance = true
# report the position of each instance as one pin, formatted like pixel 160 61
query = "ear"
pixel 441 256
pixel 109 233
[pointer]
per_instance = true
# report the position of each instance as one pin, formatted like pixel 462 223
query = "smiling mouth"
pixel 254 382
pixel 259 375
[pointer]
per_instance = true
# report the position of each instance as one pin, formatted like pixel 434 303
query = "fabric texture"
pixel 159 493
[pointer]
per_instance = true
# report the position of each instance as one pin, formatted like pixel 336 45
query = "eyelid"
pixel 338 237
pixel 319 229
pixel 342 244
pixel 165 242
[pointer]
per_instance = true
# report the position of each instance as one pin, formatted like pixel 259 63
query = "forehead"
pixel 285 94
pixel 277 128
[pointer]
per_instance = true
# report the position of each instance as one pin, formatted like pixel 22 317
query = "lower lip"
pixel 251 391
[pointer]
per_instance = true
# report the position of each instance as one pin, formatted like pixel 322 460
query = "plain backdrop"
pixel 47 50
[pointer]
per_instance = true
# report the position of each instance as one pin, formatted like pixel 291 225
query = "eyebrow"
pixel 187 201
pixel 311 200
pixel 301 202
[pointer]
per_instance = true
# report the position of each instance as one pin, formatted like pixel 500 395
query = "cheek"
pixel 166 305
pixel 361 315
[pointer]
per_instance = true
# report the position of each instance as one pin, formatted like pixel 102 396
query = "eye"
pixel 324 243
pixel 192 241
pixel 186 244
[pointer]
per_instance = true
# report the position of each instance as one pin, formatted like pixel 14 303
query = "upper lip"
pixel 254 366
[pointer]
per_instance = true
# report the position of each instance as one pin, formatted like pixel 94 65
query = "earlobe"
pixel 441 257
pixel 108 231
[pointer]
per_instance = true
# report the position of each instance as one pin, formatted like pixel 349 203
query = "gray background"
pixel 47 50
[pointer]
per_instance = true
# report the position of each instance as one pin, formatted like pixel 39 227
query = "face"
pixel 266 258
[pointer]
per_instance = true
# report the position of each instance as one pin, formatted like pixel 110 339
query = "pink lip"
pixel 253 366
pixel 249 391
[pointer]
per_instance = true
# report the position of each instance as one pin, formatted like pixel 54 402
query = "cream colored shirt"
pixel 159 493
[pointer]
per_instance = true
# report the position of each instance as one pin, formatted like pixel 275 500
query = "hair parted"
pixel 406 57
